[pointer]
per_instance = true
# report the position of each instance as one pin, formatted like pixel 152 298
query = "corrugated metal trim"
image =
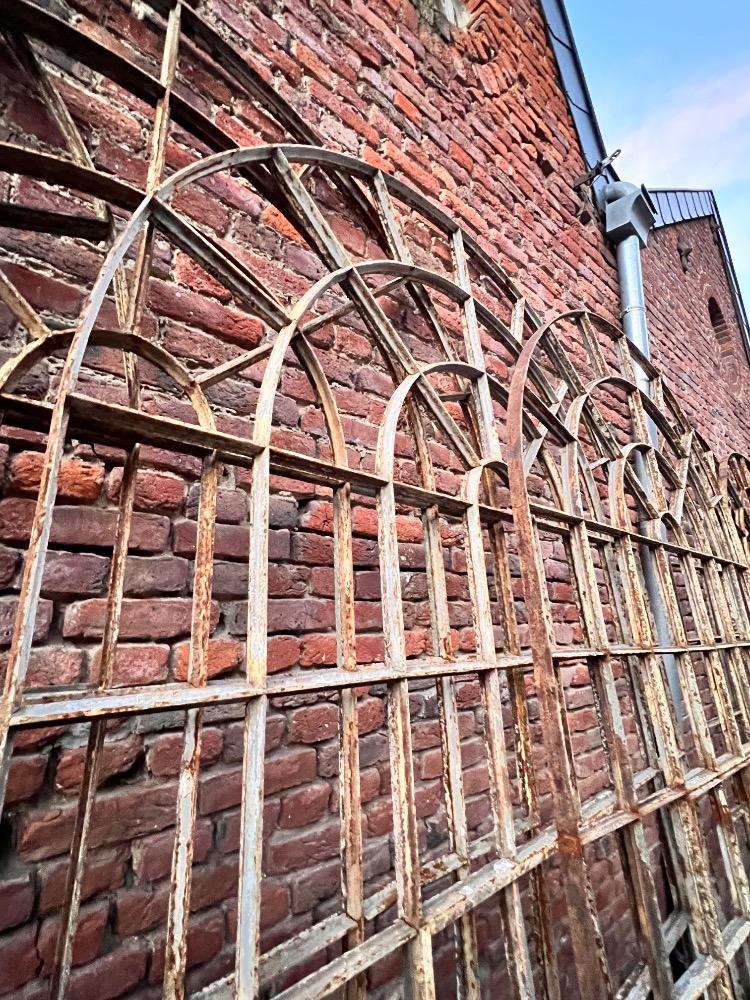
pixel 681 205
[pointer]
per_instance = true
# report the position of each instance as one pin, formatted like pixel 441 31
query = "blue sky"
pixel 670 82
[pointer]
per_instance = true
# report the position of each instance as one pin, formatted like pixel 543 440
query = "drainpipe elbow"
pixel 628 211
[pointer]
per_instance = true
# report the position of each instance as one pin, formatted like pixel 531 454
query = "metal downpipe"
pixel 629 216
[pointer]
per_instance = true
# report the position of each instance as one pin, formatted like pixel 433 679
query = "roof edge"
pixel 673 205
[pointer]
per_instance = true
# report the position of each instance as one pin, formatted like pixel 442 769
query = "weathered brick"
pixel 18 901
pixel 19 961
pixel 9 562
pixel 231 505
pixel 25 777
pixel 165 754
pixel 140 909
pixel 135 663
pixel 50 666
pixel 88 940
pixel 74 574
pixel 117 757
pixel 313 723
pixel 112 975
pixel 288 768
pixel 8 610
pixel 154 491
pixel 93 527
pixel 104 871
pixel 205 937
pixel 167 618
pixel 152 856
pixel 46 832
pixel 77 479
pixel 288 852
pixel 224 655
pixel 305 805
pixel 146 575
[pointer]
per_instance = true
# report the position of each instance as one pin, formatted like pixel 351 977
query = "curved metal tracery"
pixel 542 468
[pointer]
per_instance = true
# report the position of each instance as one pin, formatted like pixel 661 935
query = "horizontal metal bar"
pixel 109 423
pixel 338 972
pixel 37 220
pixel 46 706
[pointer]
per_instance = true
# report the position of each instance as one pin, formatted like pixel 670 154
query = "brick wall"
pixel 491 141
pixel 711 373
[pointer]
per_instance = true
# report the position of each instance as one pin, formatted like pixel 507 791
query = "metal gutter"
pixel 575 87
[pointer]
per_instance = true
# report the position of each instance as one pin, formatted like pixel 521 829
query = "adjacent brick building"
pixel 465 104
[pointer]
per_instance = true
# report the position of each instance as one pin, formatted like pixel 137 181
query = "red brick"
pixel 167 618
pixel 231 505
pixel 18 901
pixel 132 812
pixel 88 940
pixel 165 755
pixel 111 976
pixel 305 805
pixel 379 817
pixel 135 663
pixel 9 560
pixel 370 714
pixel 206 313
pixel 118 756
pixel 313 723
pixel 229 826
pixel 42 621
pixel 234 737
pixel 44 292
pixel 77 480
pixel 50 666
pixel 231 541
pixel 25 777
pixel 289 768
pixel 79 574
pixel 104 871
pixel 289 852
pixel 318 650
pixel 19 961
pixel 205 938
pixel 152 856
pixel 192 275
pixel 283 652
pixel 274 903
pixel 213 883
pixel 154 491
pixel 141 909
pixel 224 655
pixel 309 888
pixel 220 790
pixel 93 527
pixel 146 575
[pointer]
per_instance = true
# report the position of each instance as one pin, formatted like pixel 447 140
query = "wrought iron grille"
pixel 557 457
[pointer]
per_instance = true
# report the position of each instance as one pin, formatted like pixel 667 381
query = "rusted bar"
pixel 555 425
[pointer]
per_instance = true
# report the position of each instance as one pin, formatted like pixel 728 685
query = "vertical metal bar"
pixel 591 964
pixel 251 840
pixel 187 789
pixel 349 771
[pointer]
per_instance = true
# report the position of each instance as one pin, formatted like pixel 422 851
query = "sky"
pixel 670 83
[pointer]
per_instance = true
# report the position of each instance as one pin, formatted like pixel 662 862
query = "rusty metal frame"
pixel 547 418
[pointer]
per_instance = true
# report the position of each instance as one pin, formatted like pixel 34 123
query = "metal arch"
pixel 535 423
